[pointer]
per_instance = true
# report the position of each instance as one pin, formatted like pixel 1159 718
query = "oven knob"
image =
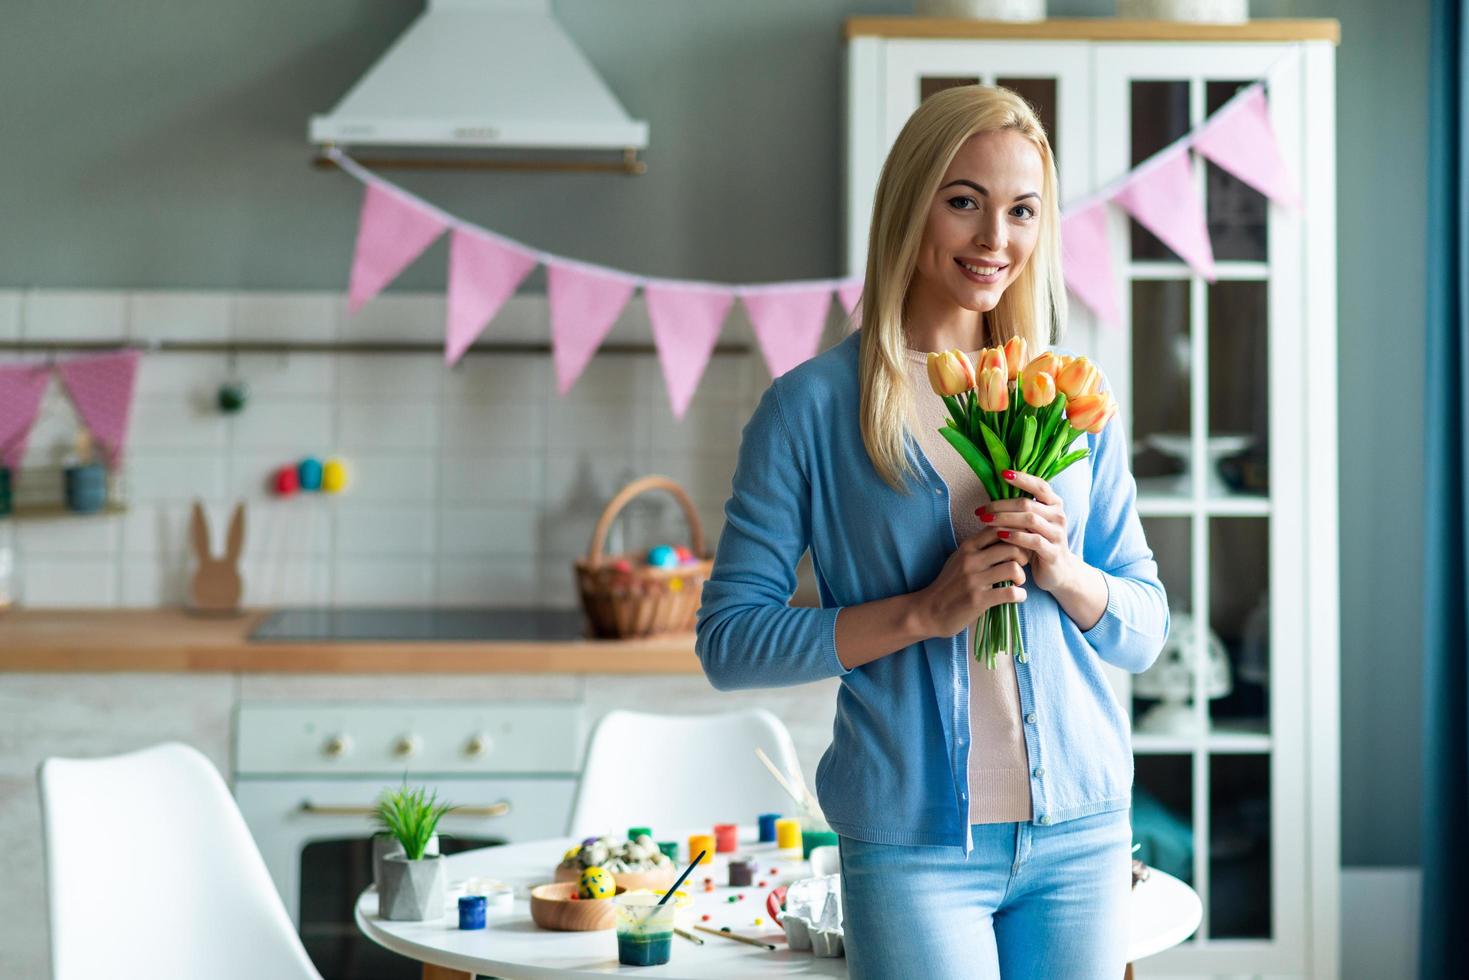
pixel 478 746
pixel 337 746
pixel 407 746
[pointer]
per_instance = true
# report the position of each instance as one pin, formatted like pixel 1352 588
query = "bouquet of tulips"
pixel 1024 418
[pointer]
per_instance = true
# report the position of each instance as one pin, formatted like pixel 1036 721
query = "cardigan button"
pixel 1045 819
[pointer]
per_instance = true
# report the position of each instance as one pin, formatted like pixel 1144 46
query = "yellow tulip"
pixel 1079 377
pixel 1089 413
pixel 994 388
pixel 950 372
pixel 1039 389
pixel 1014 355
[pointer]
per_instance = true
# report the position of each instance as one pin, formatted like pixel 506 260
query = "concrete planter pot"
pixel 412 891
pixel 384 844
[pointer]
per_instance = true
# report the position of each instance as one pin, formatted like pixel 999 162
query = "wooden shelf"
pixel 173 641
pixel 1095 29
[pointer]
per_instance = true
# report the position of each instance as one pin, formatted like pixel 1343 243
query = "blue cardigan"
pixel 897 769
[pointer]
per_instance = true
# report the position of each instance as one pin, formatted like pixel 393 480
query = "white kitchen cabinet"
pixel 1236 381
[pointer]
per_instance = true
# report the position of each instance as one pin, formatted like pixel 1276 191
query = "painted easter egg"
pixel 662 556
pixel 286 482
pixel 334 475
pixel 596 882
pixel 308 473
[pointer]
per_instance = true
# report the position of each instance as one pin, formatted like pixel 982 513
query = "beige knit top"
pixel 999 769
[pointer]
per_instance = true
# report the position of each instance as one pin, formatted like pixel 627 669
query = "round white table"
pixel 1165 912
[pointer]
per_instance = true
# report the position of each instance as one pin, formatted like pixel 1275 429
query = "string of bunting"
pixel 585 299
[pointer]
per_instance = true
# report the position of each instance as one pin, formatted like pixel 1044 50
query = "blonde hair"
pixel 1033 307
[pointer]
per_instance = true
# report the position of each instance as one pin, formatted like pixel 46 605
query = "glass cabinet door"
pixel 1198 370
pixel 1052 76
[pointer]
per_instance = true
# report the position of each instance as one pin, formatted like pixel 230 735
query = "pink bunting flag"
pixel 392 231
pixel 1162 198
pixel 21 389
pixel 686 321
pixel 483 273
pixel 101 388
pixel 585 303
pixel 850 294
pixel 1240 139
pixel 1087 261
pixel 788 322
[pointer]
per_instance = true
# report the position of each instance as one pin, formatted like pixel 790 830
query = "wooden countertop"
pixel 171 640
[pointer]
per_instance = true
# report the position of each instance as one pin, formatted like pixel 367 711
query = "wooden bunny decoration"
pixel 215 587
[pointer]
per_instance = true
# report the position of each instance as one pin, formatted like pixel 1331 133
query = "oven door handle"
pixel 345 810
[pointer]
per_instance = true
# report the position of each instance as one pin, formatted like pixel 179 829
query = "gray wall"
pixel 161 144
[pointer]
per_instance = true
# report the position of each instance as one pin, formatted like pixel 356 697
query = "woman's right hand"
pixel 964 588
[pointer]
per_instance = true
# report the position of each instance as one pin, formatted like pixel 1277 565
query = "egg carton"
pixel 822 933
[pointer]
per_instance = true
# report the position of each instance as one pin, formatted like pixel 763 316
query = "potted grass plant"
pixel 411 885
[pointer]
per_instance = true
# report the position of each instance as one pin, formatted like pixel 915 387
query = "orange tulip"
pixel 1042 364
pixel 950 372
pixel 1014 355
pixel 994 388
pixel 1089 413
pixel 1080 377
pixel 1039 389
pixel 993 357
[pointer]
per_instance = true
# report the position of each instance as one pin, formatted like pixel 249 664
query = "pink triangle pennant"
pixel 483 273
pixel 1240 139
pixel 787 322
pixel 1163 200
pixel 585 303
pixel 101 388
pixel 21 389
pixel 686 321
pixel 392 231
pixel 1087 261
pixel 850 294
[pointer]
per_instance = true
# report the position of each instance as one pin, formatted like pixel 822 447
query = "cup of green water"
pixel 644 929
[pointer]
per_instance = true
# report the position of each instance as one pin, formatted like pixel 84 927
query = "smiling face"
pixel 982 224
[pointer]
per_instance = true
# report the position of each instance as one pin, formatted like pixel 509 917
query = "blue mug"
pixel 86 488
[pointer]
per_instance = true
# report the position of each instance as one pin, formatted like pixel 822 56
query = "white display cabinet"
pixel 1228 390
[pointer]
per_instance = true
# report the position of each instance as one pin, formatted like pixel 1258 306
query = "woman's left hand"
pixel 1039 526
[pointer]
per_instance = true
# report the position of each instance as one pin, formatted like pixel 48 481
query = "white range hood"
pixel 482 74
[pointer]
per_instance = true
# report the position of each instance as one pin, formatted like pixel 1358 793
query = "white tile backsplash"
pixel 179 315
pixel 74 315
pixel 469 485
pixel 10 314
pixel 297 316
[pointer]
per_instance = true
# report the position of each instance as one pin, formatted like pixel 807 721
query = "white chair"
pixel 676 771
pixel 151 873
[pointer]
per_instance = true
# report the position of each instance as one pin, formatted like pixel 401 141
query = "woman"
pixel 983 816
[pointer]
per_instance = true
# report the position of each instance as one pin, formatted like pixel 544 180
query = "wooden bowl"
pixel 628 879
pixel 552 907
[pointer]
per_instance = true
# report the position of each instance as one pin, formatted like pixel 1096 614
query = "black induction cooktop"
pixel 332 625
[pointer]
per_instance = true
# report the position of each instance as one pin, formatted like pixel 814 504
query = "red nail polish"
pixel 987 517
pixel 1008 474
pixel 1003 534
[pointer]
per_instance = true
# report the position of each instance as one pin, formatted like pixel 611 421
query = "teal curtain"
pixel 1444 939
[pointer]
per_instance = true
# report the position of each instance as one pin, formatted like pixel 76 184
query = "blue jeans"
pixel 1029 903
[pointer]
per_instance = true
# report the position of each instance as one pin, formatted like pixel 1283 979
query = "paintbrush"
pixel 736 937
pixel 690 936
pixel 803 799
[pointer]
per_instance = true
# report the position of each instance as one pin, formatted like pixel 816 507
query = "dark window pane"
pixel 1162 814
pixel 1041 94
pixel 1239 618
pixel 1161 339
pixel 1170 539
pixel 932 84
pixel 1239 397
pixel 1237 213
pixel 1159 116
pixel 1239 847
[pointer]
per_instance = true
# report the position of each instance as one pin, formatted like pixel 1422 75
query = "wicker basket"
pixel 644 601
